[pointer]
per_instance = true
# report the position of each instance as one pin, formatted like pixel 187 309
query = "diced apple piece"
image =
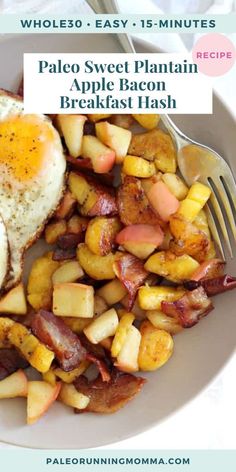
pixel 14 301
pixel 162 200
pixel 127 359
pixel 72 299
pixel 147 121
pixel 72 127
pixel 54 230
pixel 68 272
pixel 15 385
pixel 96 117
pixel 140 240
pixel 71 397
pixel 115 137
pixel 112 292
pixel 41 395
pixel 102 157
pixel 102 327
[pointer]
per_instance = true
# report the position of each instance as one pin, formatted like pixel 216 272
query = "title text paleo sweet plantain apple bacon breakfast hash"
pixel 130 267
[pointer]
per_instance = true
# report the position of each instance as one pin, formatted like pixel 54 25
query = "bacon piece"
pixel 53 332
pixel 64 254
pixel 133 205
pixel 209 270
pixel 111 396
pixel 10 361
pixel 78 163
pixel 89 128
pixel 190 308
pixel 130 271
pixel 219 284
pixel 105 374
pixel 70 240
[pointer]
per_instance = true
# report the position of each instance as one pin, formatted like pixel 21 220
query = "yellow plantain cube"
pixel 150 298
pixel 156 347
pixel 41 358
pixel 172 267
pixel 147 121
pixel 199 193
pixel 138 167
pixel 125 323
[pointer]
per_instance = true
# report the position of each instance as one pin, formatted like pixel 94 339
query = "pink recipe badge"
pixel 214 54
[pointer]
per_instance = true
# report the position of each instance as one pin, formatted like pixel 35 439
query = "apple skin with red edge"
pixel 41 395
pixel 15 385
pixel 140 240
pixel 102 157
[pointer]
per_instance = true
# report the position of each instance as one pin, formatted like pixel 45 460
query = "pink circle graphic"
pixel 214 54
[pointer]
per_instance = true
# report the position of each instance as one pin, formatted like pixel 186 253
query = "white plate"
pixel 200 352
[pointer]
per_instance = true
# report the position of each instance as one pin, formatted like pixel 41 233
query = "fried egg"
pixel 32 174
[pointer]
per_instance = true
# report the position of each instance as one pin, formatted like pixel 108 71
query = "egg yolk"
pixel 25 142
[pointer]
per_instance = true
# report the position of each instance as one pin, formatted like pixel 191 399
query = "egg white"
pixel 4 253
pixel 26 206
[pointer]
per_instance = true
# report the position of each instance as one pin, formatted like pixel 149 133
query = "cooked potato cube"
pixel 124 121
pixel 156 347
pixel 54 230
pixel 71 397
pixel 148 121
pixel 176 185
pixel 112 292
pixel 71 299
pixel 97 267
pixel 127 359
pixel 162 321
pixel 115 137
pixel 40 282
pixel 96 117
pixel 150 298
pixel 77 224
pixel 125 323
pixel 101 233
pixel 76 324
pixel 72 127
pixel 189 209
pixel 102 327
pixel 14 301
pixel 69 377
pixel 174 268
pixel 138 167
pixel 68 272
pixel 66 206
pixel 199 193
pixel 155 145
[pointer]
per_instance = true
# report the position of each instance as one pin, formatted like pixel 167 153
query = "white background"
pixel 209 420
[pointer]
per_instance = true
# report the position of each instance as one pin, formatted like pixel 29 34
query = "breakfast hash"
pixel 130 261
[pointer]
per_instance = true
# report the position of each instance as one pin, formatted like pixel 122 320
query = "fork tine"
pixel 225 200
pixel 228 181
pixel 220 217
pixel 214 231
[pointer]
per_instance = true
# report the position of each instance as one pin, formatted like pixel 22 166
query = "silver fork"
pixel 196 162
